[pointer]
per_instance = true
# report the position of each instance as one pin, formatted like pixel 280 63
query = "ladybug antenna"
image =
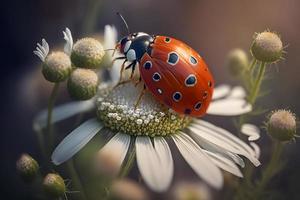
pixel 124 21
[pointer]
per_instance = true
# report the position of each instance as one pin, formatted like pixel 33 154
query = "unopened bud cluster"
pixel 74 65
pixel 118 112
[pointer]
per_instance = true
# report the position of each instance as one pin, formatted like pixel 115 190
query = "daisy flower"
pixel 149 129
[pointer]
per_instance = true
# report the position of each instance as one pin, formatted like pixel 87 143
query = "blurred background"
pixel 212 28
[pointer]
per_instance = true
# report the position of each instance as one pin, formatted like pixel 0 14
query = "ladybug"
pixel 173 72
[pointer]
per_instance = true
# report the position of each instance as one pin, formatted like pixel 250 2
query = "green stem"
pixel 91 16
pixel 271 168
pixel 125 170
pixel 257 84
pixel 51 102
pixel 75 179
pixel 251 67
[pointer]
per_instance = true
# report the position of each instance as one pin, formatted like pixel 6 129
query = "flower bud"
pixel 127 190
pixel 282 125
pixel 82 84
pixel 87 53
pixel 107 162
pixel 191 191
pixel 237 61
pixel 57 67
pixel 54 185
pixel 267 47
pixel 27 167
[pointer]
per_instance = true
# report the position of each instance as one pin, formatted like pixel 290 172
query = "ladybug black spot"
pixel 193 60
pixel 176 96
pixel 198 105
pixel 190 80
pixel 187 111
pixel 156 76
pixel 148 65
pixel 173 58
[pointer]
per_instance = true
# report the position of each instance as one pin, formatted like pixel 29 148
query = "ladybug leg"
pixel 137 82
pixel 132 69
pixel 140 97
pixel 118 58
pixel 116 47
pixel 122 69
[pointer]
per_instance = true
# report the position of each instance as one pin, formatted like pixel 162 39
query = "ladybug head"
pixel 125 42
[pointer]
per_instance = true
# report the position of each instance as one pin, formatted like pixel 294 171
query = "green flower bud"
pixel 237 61
pixel 57 67
pixel 191 191
pixel 82 84
pixel 282 125
pixel 87 53
pixel 54 185
pixel 27 167
pixel 127 190
pixel 267 47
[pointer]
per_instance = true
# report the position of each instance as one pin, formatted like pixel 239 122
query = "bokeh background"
pixel 211 27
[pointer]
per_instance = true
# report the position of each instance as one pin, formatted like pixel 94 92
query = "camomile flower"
pixel 148 129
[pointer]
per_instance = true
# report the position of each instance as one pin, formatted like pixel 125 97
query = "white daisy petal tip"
pixel 69 41
pixel 75 141
pixel 155 163
pixel 251 130
pixel 221 91
pixel 229 107
pixel 237 92
pixel 203 166
pixel 42 50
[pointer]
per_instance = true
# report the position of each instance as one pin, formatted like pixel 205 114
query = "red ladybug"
pixel 173 72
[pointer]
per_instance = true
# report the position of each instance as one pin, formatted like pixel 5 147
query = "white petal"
pixel 224 163
pixel 229 107
pixel 220 150
pixel 256 149
pixel 251 130
pixel 75 141
pixel 237 92
pixel 155 164
pixel 198 160
pixel 118 146
pixel 110 37
pixel 221 91
pixel 167 165
pixel 217 134
pixel 69 41
pixel 62 112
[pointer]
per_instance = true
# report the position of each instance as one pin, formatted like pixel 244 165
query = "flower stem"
pixel 252 65
pixel 257 84
pixel 126 168
pixel 271 168
pixel 51 102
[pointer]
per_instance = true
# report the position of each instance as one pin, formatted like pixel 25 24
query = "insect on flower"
pixel 173 72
